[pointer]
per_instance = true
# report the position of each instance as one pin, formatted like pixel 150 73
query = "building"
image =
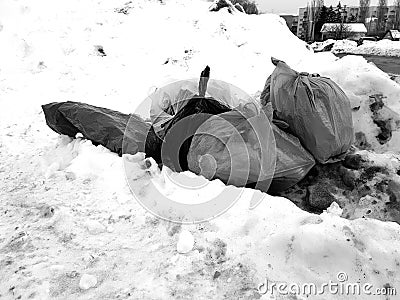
pixel 303 24
pixel 292 22
pixel 350 13
pixel 353 31
pixel 393 35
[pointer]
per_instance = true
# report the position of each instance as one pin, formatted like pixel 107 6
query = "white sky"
pixel 291 6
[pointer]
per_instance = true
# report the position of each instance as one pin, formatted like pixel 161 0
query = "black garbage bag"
pixel 104 127
pixel 178 136
pixel 56 120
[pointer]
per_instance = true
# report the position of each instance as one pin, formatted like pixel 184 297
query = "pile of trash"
pixel 216 130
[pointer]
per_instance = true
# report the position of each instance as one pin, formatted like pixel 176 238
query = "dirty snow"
pixel 68 220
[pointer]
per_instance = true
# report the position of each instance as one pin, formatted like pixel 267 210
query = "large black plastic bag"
pixel 56 120
pixel 218 142
pixel 317 110
pixel 178 140
pixel 104 127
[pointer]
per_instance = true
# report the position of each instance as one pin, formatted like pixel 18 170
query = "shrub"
pixel 249 6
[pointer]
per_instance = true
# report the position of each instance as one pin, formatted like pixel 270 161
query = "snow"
pixel 350 27
pixel 383 47
pixel 94 227
pixel 87 281
pixel 335 209
pixel 66 210
pixel 395 34
pixel 185 242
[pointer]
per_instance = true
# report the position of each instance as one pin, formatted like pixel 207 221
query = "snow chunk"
pixel 334 209
pixel 87 281
pixel 185 242
pixel 94 227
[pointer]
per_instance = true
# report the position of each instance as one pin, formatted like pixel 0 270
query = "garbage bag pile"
pixel 215 130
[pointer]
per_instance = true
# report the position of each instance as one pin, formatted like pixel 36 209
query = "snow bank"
pixel 319 46
pixel 239 251
pixel 379 48
pixel 66 208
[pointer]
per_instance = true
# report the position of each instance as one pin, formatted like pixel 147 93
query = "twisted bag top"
pixel 316 108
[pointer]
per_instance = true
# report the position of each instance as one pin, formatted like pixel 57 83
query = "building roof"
pixel 371 19
pixel 395 34
pixel 352 27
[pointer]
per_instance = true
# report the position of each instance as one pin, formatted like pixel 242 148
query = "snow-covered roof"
pixel 395 34
pixel 371 19
pixel 352 27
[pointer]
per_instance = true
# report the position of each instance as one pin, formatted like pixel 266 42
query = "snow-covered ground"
pixel 71 229
pixel 379 48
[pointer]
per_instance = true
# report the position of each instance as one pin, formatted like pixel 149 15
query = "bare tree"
pixel 306 23
pixel 381 11
pixel 314 9
pixel 341 31
pixel 364 9
pixel 396 5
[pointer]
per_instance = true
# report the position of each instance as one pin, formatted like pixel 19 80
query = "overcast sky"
pixel 291 6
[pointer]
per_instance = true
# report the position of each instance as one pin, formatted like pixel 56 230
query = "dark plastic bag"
pixel 293 162
pixel 178 136
pixel 234 148
pixel 104 127
pixel 56 120
pixel 316 109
